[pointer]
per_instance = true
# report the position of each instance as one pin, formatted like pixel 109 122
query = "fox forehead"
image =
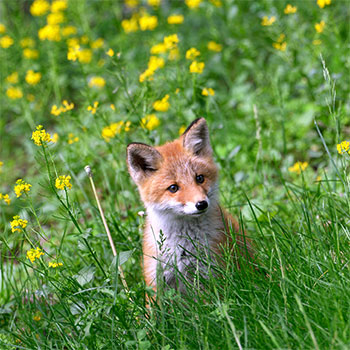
pixel 180 165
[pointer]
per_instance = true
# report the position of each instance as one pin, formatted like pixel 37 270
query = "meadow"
pixel 80 79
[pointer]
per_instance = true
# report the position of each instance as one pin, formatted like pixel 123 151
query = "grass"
pixel 271 109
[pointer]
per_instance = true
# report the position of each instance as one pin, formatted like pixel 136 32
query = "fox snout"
pixel 196 208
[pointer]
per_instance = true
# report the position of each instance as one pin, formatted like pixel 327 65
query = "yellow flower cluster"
pixel 76 53
pixel 93 108
pixel 175 19
pixel 5 198
pixel 131 3
pixel 17 224
pixel 343 147
pixel 27 42
pixel 64 108
pixel 113 129
pixel 33 78
pixel 192 53
pixel 33 254
pixel 50 32
pixel 154 63
pixel 72 138
pixel 162 105
pixel 12 78
pixel 110 52
pixel 58 5
pixel 39 7
pixel 208 92
pixel 97 44
pixel 21 187
pixel 280 44
pixel 323 3
pixel 30 54
pixel 193 4
pixel 6 41
pixel 148 22
pixel 2 28
pixel 171 41
pixel 150 122
pixel 69 30
pixel 55 264
pixel 266 21
pixel 62 182
pixel 154 3
pixel 298 167
pixel 14 93
pixel 98 82
pixel 55 18
pixel 320 26
pixel 197 67
pixel 290 9
pixel 40 136
pixel 213 46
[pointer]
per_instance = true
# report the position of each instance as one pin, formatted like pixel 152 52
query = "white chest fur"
pixel 182 244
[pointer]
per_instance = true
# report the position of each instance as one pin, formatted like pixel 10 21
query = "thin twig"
pixel 121 272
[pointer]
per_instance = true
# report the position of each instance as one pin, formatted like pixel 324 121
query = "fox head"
pixel 178 178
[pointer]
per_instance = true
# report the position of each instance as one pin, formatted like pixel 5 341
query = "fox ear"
pixel 196 138
pixel 142 160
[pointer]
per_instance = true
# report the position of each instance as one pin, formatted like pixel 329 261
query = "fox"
pixel 185 225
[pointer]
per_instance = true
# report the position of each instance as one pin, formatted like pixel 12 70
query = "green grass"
pixel 271 109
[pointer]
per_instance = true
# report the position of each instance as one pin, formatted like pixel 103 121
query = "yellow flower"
pixel 320 26
pixel 268 21
pixel 323 3
pixel 162 105
pixel 14 93
pixel 50 32
pixel 62 182
pixel 298 167
pixel 33 78
pixel 150 122
pixel 17 224
pixel 154 3
pixel 343 147
pixel 197 67
pixel 154 63
pixel 72 138
pixel 148 22
pixel 55 137
pixel 290 9
pixel 112 107
pixel 131 3
pixel 192 53
pixel 55 264
pixel 5 198
pixel 37 318
pixel 2 28
pixel 174 54
pixel 40 136
pixel 84 56
pixel 69 30
pixel 130 25
pixel 93 108
pixel 33 254
pixel 216 3
pixel 6 42
pixel 55 18
pixel 84 39
pixel 39 7
pixel 66 106
pixel 279 44
pixel 98 43
pixel 208 92
pixel 27 42
pixel 182 129
pixel 213 46
pixel 58 5
pixel 193 4
pixel 21 187
pixel 157 49
pixel 73 43
pixel 317 42
pixel 12 78
pixel 30 54
pixel 171 41
pixel 112 130
pixel 110 53
pixel 97 82
pixel 175 19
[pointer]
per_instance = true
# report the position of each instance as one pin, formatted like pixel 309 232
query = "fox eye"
pixel 200 179
pixel 173 188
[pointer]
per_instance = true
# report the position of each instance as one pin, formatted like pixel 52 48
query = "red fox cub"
pixel 185 224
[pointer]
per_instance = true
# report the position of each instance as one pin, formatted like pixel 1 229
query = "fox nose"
pixel 202 205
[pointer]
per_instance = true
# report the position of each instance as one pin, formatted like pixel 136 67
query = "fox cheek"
pixel 142 160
